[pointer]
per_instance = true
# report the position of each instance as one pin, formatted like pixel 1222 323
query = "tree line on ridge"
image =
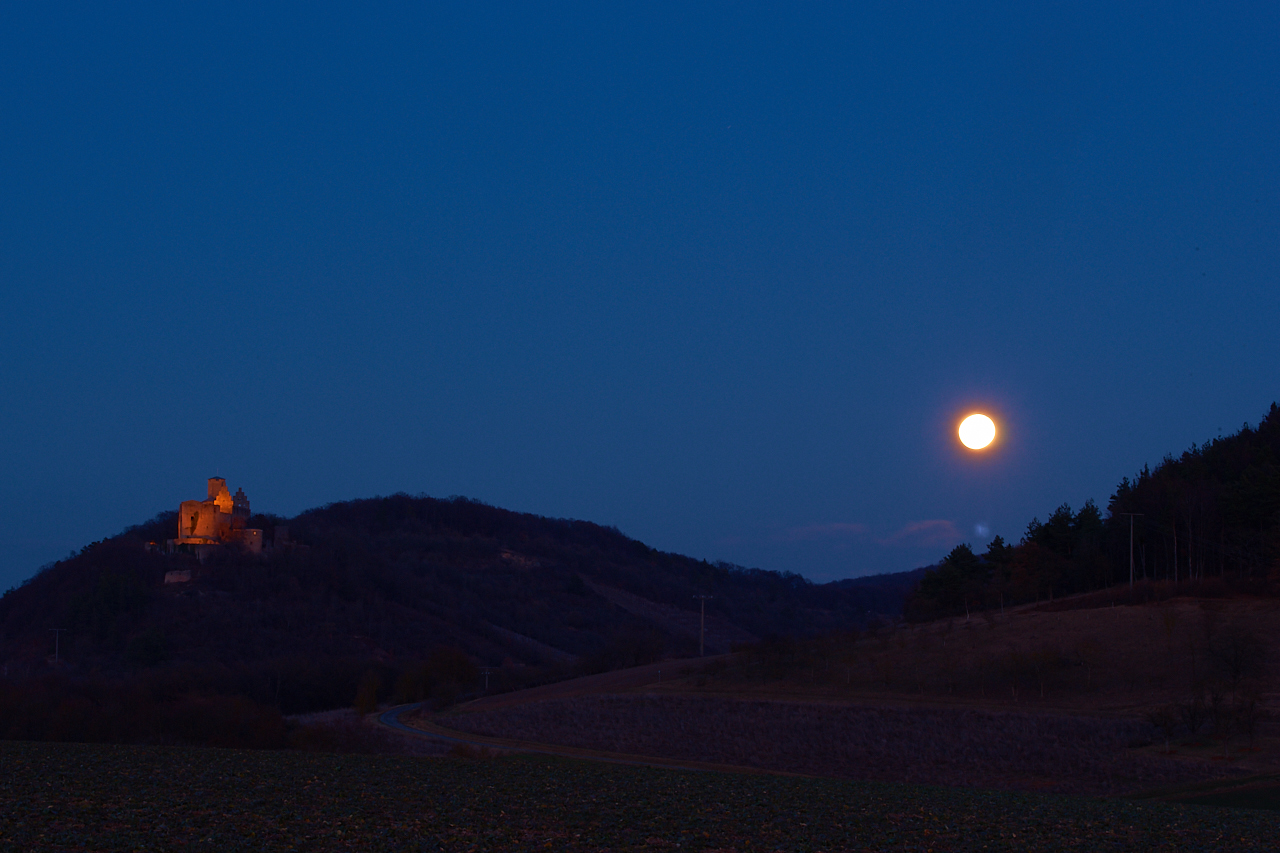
pixel 1210 514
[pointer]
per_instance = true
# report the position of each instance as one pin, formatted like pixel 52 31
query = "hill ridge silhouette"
pixel 393 578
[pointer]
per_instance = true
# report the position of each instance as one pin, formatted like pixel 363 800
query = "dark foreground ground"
pixel 95 798
pixel 1048 753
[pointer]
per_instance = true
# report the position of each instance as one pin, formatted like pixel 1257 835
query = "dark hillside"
pixel 523 571
pixel 385 585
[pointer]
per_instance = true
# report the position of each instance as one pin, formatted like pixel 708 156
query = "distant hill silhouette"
pixel 886 593
pixel 384 584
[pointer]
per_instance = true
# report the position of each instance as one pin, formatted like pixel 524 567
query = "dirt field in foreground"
pixel 941 746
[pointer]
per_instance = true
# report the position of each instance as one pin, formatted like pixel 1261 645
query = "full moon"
pixel 977 431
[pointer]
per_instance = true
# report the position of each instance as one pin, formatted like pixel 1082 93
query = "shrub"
pixel 367 693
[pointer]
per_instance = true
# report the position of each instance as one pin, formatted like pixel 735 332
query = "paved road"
pixel 391 719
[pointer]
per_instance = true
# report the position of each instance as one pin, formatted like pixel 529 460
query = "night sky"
pixel 724 276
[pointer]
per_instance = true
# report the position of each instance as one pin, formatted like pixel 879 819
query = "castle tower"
pixel 220 496
pixel 239 510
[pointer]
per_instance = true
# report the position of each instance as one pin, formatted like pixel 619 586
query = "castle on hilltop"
pixel 216 522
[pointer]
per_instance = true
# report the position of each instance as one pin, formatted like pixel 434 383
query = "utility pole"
pixel 57 635
pixel 702 628
pixel 485 672
pixel 1131 515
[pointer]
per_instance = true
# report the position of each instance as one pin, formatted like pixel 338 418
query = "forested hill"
pixel 1214 510
pixel 393 579
pixel 1211 514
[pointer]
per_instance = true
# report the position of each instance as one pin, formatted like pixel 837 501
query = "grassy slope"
pixel 988 702
pixel 74 797
pixel 1123 659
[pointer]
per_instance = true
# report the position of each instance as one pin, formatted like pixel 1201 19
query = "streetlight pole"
pixel 702 626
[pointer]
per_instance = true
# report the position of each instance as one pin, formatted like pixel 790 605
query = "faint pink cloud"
pixel 810 532
pixel 925 534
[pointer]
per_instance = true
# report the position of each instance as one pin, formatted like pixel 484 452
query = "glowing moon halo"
pixel 977 431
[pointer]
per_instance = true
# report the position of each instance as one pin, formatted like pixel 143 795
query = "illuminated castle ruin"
pixel 217 521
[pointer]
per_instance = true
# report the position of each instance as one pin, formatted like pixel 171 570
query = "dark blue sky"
pixel 724 277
